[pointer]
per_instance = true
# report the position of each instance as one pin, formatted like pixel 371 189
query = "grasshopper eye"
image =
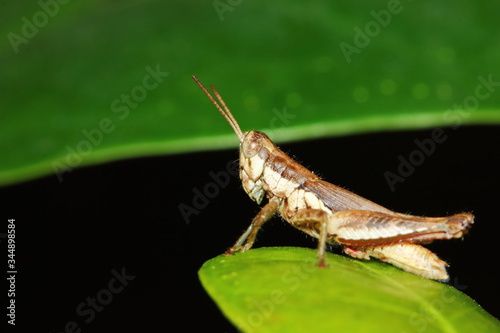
pixel 250 148
pixel 251 144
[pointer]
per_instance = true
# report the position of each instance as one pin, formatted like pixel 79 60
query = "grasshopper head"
pixel 254 153
pixel 254 149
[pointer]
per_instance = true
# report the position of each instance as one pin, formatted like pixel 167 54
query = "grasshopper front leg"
pixel 249 235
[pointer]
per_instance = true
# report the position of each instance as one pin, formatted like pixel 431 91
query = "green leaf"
pixel 77 87
pixel 282 290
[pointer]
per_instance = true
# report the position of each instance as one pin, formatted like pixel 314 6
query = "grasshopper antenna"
pixel 224 110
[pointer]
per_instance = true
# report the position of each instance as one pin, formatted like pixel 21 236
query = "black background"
pixel 125 215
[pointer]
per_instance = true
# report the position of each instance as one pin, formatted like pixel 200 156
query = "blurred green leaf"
pixel 282 290
pixel 77 87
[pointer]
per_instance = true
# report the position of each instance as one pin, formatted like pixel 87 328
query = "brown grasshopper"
pixel 332 214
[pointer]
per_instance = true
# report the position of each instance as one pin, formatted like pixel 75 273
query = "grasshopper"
pixel 332 214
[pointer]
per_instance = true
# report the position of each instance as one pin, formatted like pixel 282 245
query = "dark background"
pixel 125 215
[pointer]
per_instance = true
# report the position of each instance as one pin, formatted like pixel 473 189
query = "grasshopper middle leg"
pixel 315 223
